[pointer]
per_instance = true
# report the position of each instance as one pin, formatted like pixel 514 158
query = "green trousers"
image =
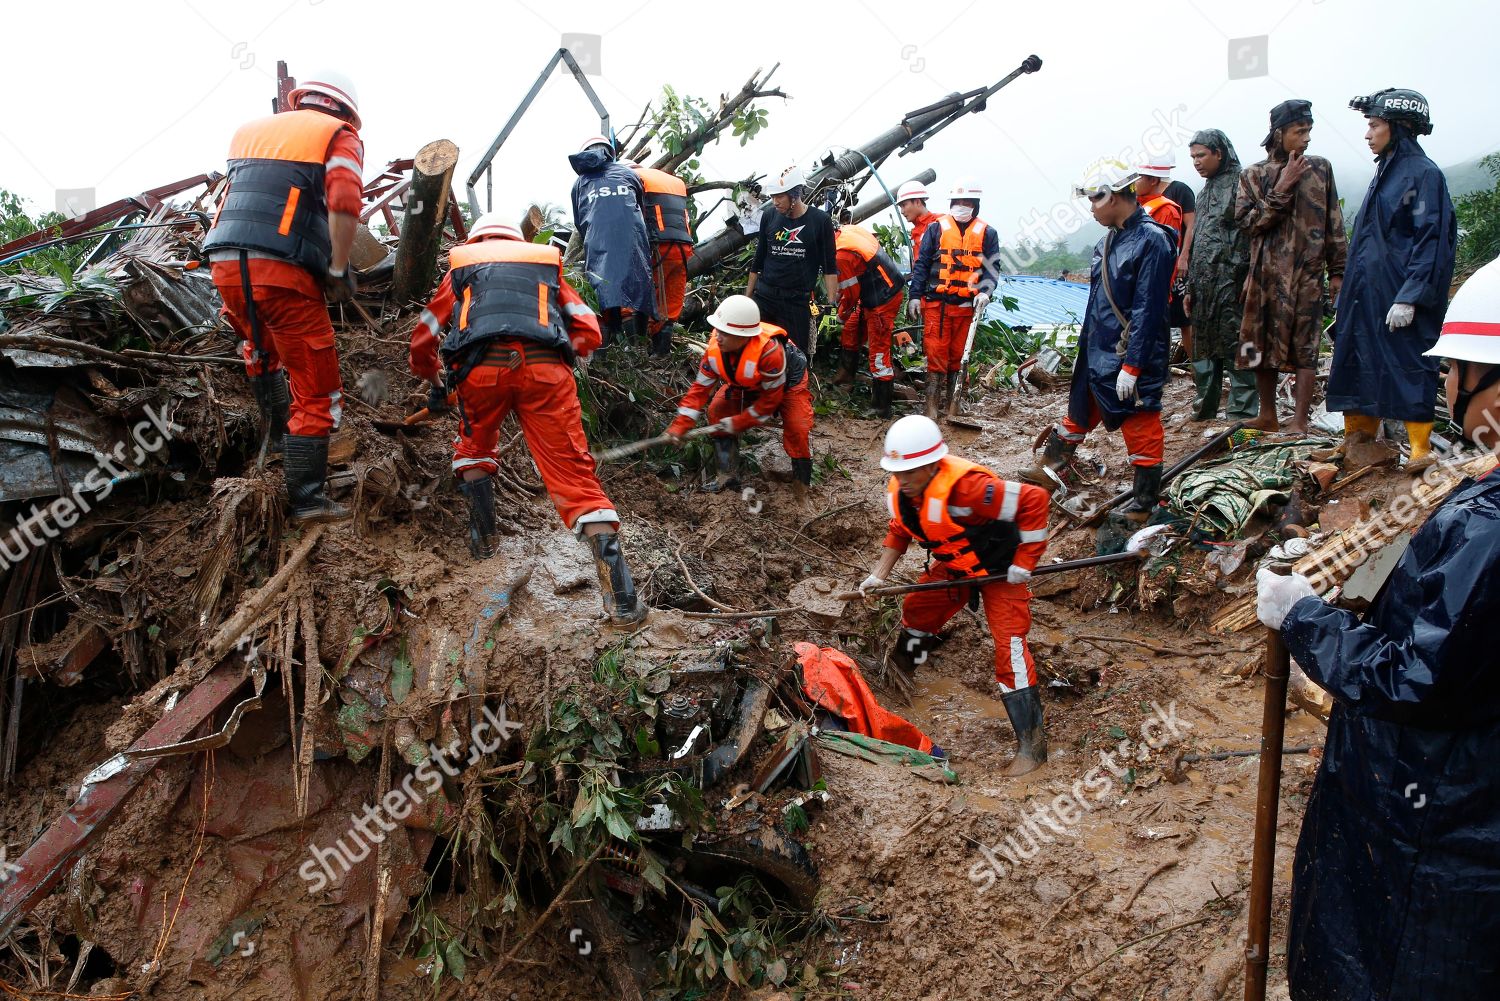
pixel 1208 378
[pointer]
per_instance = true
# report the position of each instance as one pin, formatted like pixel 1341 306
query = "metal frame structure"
pixel 484 167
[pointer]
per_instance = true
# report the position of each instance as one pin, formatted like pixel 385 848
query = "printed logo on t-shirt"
pixel 785 235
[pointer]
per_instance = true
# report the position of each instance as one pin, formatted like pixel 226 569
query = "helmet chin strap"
pixel 1466 396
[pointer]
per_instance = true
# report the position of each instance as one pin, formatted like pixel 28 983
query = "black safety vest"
pixel 506 288
pixel 275 202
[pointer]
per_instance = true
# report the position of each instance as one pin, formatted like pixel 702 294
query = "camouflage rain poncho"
pixel 1218 258
pixel 1295 239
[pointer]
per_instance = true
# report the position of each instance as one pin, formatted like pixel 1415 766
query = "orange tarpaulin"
pixel 833 681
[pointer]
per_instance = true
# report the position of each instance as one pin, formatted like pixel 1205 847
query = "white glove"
pixel 914 310
pixel 1017 575
pixel 1125 385
pixel 1276 594
pixel 1401 315
pixel 724 425
pixel 869 582
pixel 981 300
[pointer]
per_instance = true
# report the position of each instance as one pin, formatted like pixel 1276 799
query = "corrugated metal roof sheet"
pixel 1040 301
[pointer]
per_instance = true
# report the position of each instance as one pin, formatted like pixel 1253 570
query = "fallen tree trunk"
pixel 422 227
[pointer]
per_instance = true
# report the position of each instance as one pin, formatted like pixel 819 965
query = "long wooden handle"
pixel 1041 571
pixel 621 451
pixel 1267 803
pixel 1097 515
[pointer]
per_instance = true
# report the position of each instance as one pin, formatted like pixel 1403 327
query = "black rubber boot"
pixel 306 465
pixel 640 326
pixel 661 341
pixel 847 360
pixel 910 651
pixel 880 391
pixel 1145 492
pixel 615 583
pixel 610 327
pixel 483 535
pixel 802 471
pixel 275 402
pixel 933 404
pixel 727 461
pixel 1054 457
pixel 1024 707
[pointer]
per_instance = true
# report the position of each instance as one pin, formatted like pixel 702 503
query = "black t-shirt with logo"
pixel 790 253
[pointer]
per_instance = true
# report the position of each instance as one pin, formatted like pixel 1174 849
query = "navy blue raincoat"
pixel 607 213
pixel 1396 882
pixel 1142 257
pixel 1402 251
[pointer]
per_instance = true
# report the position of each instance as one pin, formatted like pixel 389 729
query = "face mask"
pixel 961 213
pixel 1466 396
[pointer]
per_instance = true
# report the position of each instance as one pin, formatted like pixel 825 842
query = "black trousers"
pixel 787 310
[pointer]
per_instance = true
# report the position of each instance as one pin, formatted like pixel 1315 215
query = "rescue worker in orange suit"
pixel 518 328
pixel 870 286
pixel 280 243
pixel 972 524
pixel 1150 193
pixel 664 206
pixel 763 374
pixel 954 276
pixel 911 200
pixel 1123 348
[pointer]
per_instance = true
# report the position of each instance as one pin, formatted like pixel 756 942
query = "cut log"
pixel 422 226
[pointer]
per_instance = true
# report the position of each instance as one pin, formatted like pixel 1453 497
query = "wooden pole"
pixel 422 226
pixel 1267 804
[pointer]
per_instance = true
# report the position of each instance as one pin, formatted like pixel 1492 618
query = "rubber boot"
pixel 847 360
pixel 1358 430
pixel 802 471
pixel 275 403
pixel 933 404
pixel 615 583
pixel 911 650
pixel 610 327
pixel 727 461
pixel 661 341
pixel 1145 492
pixel 1024 707
pixel 1055 456
pixel 950 387
pixel 306 465
pixel 880 393
pixel 483 536
pixel 1422 458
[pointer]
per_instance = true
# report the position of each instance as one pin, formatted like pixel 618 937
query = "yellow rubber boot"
pixel 1358 429
pixel 1420 436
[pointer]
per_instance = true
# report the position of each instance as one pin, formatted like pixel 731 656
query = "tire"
pixel 781 863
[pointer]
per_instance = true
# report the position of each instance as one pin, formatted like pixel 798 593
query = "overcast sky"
pixel 122 97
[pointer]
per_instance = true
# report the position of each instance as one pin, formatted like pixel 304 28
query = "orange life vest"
pixel 1151 205
pixel 275 202
pixel 968 551
pixel 746 374
pixel 881 281
pixel 665 206
pixel 960 259
pixel 506 288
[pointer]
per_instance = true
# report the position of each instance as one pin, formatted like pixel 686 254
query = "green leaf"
pixel 454 954
pixel 732 970
pixel 776 972
pixel 1117 732
pixel 618 826
pixel 645 744
pixel 401 679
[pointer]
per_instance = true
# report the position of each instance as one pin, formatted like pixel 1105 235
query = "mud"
pixel 1141 895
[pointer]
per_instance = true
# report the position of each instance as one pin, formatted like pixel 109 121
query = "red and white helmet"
pixel 738 315
pixel 1157 165
pixel 492 225
pixel 965 188
pixel 329 83
pixel 1471 329
pixel 596 141
pixel 783 182
pixel 910 190
pixel 911 442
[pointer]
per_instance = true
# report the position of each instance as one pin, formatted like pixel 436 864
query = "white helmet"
pixel 1471 329
pixel 1157 165
pixel 910 190
pixel 329 83
pixel 785 181
pixel 965 188
pixel 911 442
pixel 1105 175
pixel 596 141
pixel 738 315
pixel 491 224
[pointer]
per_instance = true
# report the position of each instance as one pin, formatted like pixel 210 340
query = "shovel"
pixel 411 420
pixel 817 595
pixel 953 416
pixel 621 451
